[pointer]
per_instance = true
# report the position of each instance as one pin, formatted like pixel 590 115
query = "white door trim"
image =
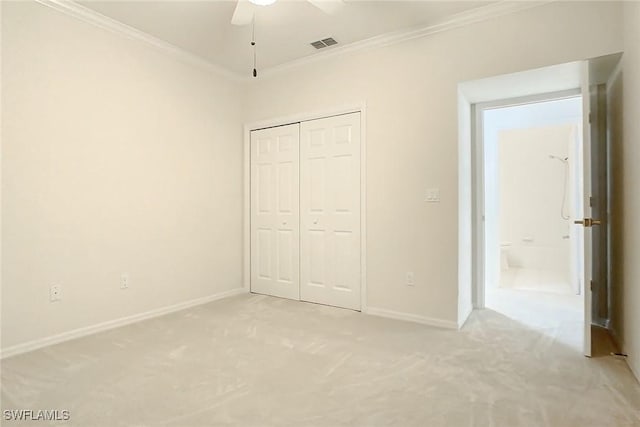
pixel 477 161
pixel 296 118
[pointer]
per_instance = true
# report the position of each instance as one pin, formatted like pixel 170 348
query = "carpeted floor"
pixel 260 361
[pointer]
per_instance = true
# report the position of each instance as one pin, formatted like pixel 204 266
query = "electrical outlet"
pixel 55 293
pixel 432 195
pixel 411 280
pixel 124 281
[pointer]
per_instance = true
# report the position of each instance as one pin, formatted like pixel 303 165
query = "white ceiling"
pixel 283 30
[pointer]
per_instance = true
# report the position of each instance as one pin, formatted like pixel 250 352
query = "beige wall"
pixel 412 126
pixel 630 185
pixel 116 158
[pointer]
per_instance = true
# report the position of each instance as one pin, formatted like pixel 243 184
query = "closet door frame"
pixel 296 118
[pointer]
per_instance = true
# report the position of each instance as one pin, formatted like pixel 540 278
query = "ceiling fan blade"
pixel 328 6
pixel 243 15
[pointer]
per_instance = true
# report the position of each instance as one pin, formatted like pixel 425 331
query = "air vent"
pixel 318 44
pixel 329 42
pixel 324 43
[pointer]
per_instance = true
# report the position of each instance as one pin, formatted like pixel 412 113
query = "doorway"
pixel 590 219
pixel 531 192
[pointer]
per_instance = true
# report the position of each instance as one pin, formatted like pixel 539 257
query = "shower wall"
pixel 531 186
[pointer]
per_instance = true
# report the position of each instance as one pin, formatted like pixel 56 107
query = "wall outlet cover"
pixel 411 279
pixel 124 281
pixel 55 293
pixel 432 195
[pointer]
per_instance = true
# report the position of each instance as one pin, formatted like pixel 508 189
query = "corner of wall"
pixel 465 211
pixel 631 186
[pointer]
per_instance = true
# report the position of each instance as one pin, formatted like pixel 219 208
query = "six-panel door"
pixel 330 211
pixel 305 211
pixel 275 211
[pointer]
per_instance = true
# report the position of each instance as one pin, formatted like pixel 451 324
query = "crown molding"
pixel 472 16
pixel 92 17
pixel 484 13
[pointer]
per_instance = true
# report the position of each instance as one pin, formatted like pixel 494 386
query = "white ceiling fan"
pixel 243 15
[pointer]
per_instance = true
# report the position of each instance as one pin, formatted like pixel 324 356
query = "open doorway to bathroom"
pixel 532 189
pixel 519 255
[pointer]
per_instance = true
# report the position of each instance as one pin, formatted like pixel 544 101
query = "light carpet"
pixel 253 360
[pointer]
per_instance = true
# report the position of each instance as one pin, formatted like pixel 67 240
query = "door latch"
pixel 588 222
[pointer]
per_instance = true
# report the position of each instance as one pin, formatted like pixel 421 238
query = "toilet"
pixel 504 255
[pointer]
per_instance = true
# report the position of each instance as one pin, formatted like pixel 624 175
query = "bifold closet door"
pixel 275 211
pixel 330 211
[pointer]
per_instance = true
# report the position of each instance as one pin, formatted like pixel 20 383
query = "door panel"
pixel 275 222
pixel 263 254
pixel 330 211
pixel 316 184
pixel 586 275
pixel 599 205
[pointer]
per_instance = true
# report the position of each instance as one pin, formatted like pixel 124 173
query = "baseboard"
pixel 111 324
pixel 635 370
pixel 439 323
pixel 465 316
pixel 619 344
pixel 617 341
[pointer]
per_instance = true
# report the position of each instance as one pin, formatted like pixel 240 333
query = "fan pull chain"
pixel 253 43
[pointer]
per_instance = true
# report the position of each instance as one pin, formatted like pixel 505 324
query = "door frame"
pixel 298 118
pixel 478 184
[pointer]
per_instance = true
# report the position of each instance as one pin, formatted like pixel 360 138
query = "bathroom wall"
pixel 531 195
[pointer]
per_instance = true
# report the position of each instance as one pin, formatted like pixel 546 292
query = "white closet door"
pixel 275 211
pixel 330 211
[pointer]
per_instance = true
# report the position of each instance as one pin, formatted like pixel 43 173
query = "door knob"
pixel 588 222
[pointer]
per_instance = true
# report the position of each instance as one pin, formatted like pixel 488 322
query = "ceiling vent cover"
pixel 324 43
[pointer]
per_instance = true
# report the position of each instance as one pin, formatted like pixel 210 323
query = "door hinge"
pixel 591 201
pixel 591 285
pixel 590 117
